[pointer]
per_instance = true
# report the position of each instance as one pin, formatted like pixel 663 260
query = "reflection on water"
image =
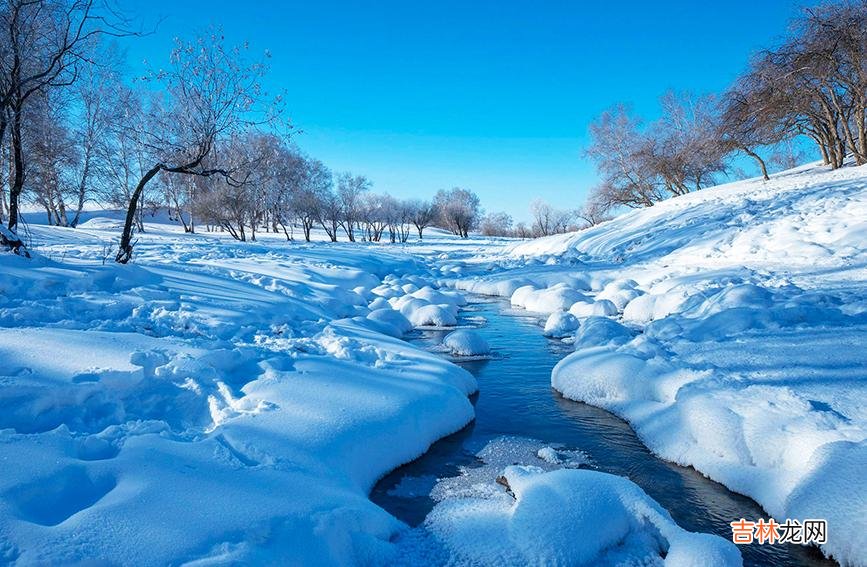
pixel 516 398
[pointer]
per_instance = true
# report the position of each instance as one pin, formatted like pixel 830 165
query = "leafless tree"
pixel 329 213
pixel 350 189
pixel 124 157
pixel 310 200
pixel 43 44
pixel 618 147
pixel 814 84
pixel 374 213
pixel 422 215
pixel 458 210
pixel 95 116
pixel 548 220
pixel 522 231
pixel 48 143
pixel 684 147
pixel 596 209
pixel 496 224
pixel 210 94
pixel 398 214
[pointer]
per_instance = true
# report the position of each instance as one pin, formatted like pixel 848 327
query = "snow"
pixel 551 513
pixel 212 401
pixel 729 328
pixel 465 342
pixel 559 297
pixel 598 308
pixel 394 319
pixel 432 316
pixel 560 324
pixel 254 392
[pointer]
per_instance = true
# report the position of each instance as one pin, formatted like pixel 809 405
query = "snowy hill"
pixel 802 218
pixel 729 327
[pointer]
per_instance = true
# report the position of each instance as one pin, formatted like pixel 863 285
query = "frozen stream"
pixel 516 399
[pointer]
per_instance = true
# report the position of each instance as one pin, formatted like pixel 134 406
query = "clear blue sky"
pixel 492 96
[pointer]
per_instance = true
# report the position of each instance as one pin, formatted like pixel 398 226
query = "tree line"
pixel 199 137
pixel 812 85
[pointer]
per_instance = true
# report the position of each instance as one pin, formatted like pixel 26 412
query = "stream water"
pixel 516 399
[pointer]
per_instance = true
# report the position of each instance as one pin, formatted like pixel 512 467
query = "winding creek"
pixel 516 399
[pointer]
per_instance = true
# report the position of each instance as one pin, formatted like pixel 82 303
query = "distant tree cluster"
pixel 814 84
pixel 546 220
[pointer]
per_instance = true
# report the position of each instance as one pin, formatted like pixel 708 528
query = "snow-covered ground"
pixel 219 402
pixel 211 401
pixel 729 327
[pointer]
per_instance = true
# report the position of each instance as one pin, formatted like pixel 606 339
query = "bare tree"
pixel 404 211
pixel 43 44
pixel 286 175
pixel 814 84
pixel 398 218
pixel 596 209
pixel 350 189
pixel 374 213
pixel 211 94
pixel 619 148
pixel 458 210
pixel 124 156
pixel 684 147
pixel 48 143
pixel 329 213
pixel 422 215
pixel 496 224
pixel 97 85
pixel 309 202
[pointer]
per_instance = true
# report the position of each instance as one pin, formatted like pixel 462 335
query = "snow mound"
pixel 394 319
pixel 502 288
pixel 464 342
pixel 432 316
pixel 559 297
pixel 601 331
pixel 431 295
pixel 599 308
pixel 560 324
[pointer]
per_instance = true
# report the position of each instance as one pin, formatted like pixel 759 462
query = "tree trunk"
pixel 862 135
pixel 125 253
pixel 18 178
pixel 11 242
pixel 82 188
pixel 759 160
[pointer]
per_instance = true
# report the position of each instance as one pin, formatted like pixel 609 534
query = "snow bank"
pixel 465 342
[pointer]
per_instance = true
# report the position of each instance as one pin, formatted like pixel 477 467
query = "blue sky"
pixel 492 96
